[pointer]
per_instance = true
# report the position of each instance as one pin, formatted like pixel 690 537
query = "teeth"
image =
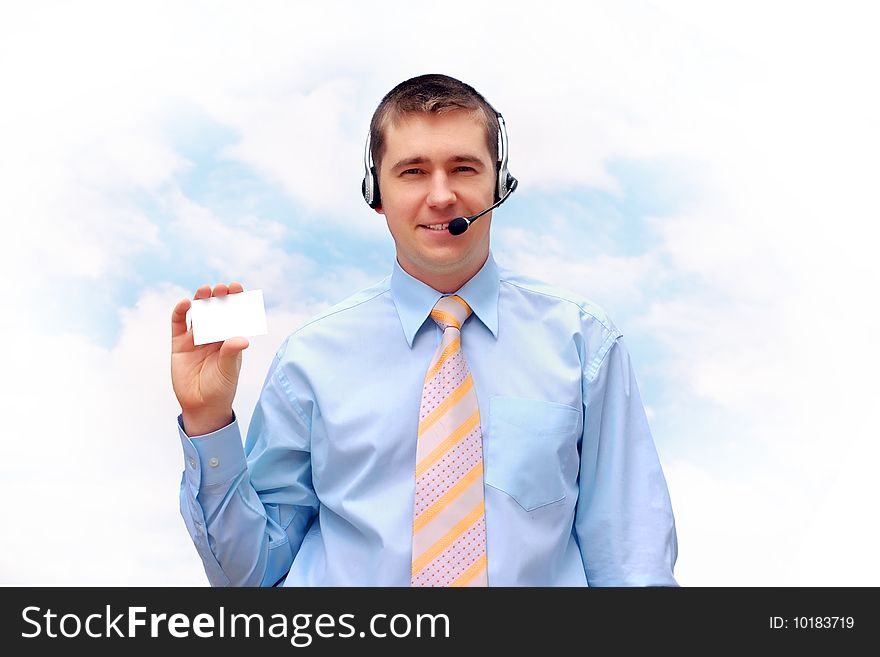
pixel 438 227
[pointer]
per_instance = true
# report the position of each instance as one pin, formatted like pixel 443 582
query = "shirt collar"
pixel 414 299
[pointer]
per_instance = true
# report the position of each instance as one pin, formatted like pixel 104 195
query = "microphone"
pixel 460 224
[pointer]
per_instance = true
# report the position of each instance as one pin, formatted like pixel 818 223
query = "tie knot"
pixel 451 311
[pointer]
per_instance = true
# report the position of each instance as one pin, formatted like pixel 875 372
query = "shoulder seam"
pixel 328 313
pixel 284 382
pixel 556 296
pixel 596 363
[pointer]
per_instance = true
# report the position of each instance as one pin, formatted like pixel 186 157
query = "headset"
pixel 504 187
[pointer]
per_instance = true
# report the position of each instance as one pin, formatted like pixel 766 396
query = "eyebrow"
pixel 420 159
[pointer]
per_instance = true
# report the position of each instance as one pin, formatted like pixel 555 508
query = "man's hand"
pixel 205 377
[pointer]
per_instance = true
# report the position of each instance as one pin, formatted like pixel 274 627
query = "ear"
pixel 379 210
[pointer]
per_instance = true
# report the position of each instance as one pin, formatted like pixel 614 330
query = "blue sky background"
pixel 706 172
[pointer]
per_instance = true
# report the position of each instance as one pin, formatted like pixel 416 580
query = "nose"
pixel 440 195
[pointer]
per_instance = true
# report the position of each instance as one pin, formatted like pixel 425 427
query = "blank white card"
pixel 217 318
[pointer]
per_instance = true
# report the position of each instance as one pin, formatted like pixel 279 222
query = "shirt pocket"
pixel 531 450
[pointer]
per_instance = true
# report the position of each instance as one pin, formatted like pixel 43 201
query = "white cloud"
pixel 839 530
pixel 91 450
pixel 246 250
pixel 776 333
pixel 557 258
pixel 302 141
pixel 93 459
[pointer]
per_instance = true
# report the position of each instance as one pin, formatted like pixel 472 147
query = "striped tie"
pixel 449 526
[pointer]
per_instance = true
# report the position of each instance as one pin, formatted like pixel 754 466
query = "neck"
pixel 443 282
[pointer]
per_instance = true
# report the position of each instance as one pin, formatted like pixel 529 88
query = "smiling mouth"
pixel 437 227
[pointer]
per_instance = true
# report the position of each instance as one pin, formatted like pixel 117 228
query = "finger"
pixel 220 290
pixel 178 317
pixel 203 292
pixel 235 287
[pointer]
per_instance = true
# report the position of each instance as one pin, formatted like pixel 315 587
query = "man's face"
pixel 437 167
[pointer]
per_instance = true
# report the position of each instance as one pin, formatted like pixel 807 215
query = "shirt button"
pixel 192 463
pixel 214 462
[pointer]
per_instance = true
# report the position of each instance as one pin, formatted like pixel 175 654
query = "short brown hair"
pixel 431 93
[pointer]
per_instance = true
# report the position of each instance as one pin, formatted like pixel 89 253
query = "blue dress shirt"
pixel 322 492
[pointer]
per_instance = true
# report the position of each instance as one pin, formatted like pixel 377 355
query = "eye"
pixel 465 169
pixel 410 172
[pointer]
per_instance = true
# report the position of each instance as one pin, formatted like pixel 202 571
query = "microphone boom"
pixel 460 224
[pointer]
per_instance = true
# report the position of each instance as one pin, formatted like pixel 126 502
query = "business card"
pixel 217 318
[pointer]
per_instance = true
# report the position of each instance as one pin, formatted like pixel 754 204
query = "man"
pixel 453 425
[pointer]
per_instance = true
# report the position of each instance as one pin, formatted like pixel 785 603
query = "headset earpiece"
pixel 504 180
pixel 370 184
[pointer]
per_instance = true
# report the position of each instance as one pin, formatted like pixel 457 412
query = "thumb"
pixel 230 355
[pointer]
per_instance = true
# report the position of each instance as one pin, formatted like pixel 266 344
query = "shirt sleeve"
pixel 624 522
pixel 247 508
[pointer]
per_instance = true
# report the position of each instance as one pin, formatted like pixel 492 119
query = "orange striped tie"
pixel 449 525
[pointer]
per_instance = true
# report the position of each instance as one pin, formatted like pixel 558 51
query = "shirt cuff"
pixel 213 458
